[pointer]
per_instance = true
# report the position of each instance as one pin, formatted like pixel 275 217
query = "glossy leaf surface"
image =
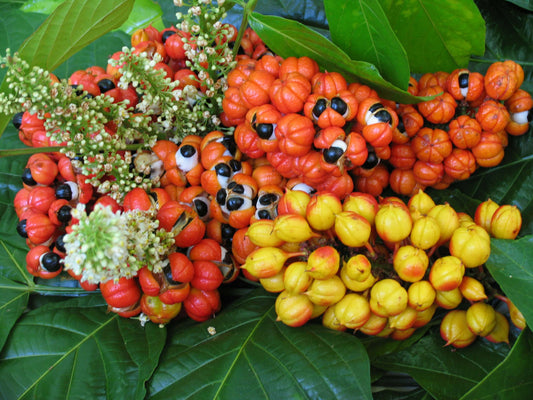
pixel 251 352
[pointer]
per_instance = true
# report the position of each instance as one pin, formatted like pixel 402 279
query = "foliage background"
pixel 57 346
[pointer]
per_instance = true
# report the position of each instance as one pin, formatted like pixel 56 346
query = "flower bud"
pixel 421 295
pixel 470 244
pixel 388 297
pixel 506 222
pixel 446 273
pixel 481 318
pixel 352 229
pixel 410 263
pixel 293 309
pixel 321 211
pixel 323 263
pixel 454 329
pixel 293 228
pixel 352 311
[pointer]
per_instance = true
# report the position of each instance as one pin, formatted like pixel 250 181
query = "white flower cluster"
pixel 105 245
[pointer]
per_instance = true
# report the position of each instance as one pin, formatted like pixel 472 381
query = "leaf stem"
pixel 247 10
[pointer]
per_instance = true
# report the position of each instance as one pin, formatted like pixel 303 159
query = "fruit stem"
pixel 247 10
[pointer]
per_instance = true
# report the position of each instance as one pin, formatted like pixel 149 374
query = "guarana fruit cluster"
pixel 383 267
pixel 297 131
pixel 339 136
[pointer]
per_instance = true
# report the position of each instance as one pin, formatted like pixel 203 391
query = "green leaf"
pixel 510 264
pixel 13 300
pixel 438 35
pixel 75 349
pixel 290 38
pixel 526 4
pixel 80 21
pixel 515 371
pixel 144 13
pixel 251 352
pixel 72 26
pixel 445 372
pixel 362 30
pixel 509 36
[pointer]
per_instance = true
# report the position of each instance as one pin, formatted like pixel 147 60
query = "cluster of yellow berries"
pixel 382 266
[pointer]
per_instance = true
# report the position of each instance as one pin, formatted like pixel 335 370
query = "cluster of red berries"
pixel 332 135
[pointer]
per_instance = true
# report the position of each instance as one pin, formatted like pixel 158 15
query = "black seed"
pixel 383 116
pixel 60 244
pixel 235 165
pixel 27 178
pixel 168 275
pixel 530 115
pixel 264 214
pixel 264 131
pixel 234 203
pixel 374 107
pixel 105 85
pixel 201 207
pixel 221 197
pixel 17 119
pixel 236 188
pixel 332 155
pixel 50 261
pixel 64 214
pixel 401 126
pixel 166 35
pixel 268 199
pixel 223 170
pixel 319 107
pixel 64 192
pixel 227 231
pixel 187 151
pixel 21 228
pixel 339 105
pixel 229 143
pixel 371 161
pixel 463 80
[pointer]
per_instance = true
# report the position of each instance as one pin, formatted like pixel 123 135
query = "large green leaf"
pixel 253 354
pixel 509 36
pixel 13 300
pixel 445 372
pixel 362 30
pixel 510 264
pixel 76 350
pixel 515 371
pixel 438 35
pixel 291 38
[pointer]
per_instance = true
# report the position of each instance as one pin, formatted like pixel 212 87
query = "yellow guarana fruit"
pixel 425 232
pixel 420 203
pixel 506 222
pixel 326 292
pixel 352 229
pixel 388 297
pixel 296 279
pixel 374 325
pixel 293 228
pixel 363 204
pixel 472 289
pixel 454 329
pixel 266 262
pixel 481 318
pixel 446 273
pixel 322 209
pixel 484 212
pixel 261 233
pixel 410 263
pixel 448 299
pixel 323 262
pixel 421 295
pixel 352 311
pixel 358 267
pixel 471 245
pixel 293 309
pixel 500 333
pixel 354 285
pixel 447 219
pixel 393 222
pixel 274 284
pixel 404 320
pixel 329 320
